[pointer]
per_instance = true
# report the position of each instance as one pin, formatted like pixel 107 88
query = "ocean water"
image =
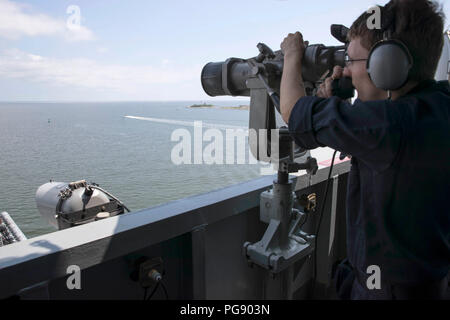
pixel 128 157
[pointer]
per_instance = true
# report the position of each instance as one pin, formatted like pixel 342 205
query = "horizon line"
pixel 115 101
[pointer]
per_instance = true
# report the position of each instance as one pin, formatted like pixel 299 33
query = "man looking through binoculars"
pixel 398 134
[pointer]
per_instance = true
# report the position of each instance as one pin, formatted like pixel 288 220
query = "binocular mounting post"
pixel 283 243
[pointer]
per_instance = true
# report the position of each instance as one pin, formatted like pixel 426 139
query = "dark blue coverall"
pixel 398 197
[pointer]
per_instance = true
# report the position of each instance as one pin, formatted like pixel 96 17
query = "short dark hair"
pixel 419 24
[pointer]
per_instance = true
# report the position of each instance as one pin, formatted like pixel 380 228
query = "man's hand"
pixel 292 87
pixel 294 46
pixel 325 88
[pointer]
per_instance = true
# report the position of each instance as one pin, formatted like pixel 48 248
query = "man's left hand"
pixel 325 89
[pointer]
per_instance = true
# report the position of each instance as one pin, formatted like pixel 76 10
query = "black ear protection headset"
pixel 389 61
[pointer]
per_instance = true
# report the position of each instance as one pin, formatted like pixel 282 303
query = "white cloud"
pixel 102 50
pixel 85 73
pixel 16 22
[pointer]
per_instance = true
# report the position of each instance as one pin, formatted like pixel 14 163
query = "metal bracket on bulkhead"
pixel 283 243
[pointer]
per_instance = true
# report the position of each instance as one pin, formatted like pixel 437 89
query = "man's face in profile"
pixel 358 72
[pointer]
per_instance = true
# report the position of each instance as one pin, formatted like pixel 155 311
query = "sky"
pixel 146 50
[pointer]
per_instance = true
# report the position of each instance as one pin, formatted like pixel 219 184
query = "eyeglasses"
pixel 349 61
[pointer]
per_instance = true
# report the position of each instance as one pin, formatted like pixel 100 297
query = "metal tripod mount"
pixel 283 243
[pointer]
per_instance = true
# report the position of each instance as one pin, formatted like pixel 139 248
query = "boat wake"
pixel 189 123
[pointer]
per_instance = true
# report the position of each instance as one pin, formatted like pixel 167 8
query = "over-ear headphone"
pixel 389 60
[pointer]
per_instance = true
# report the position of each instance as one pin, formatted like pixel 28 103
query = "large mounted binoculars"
pixel 230 77
pixel 259 78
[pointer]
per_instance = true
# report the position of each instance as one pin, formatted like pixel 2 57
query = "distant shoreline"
pixel 211 106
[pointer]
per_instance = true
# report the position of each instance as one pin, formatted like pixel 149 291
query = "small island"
pixel 204 105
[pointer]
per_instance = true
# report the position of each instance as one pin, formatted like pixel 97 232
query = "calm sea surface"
pixel 94 141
